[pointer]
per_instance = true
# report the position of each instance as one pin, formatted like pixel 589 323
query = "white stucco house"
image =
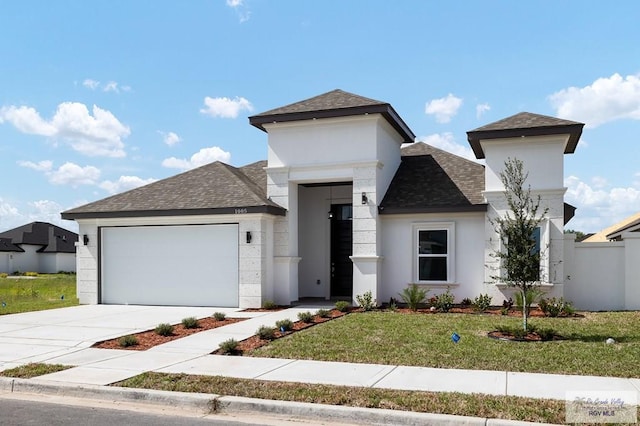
pixel 38 247
pixel 345 203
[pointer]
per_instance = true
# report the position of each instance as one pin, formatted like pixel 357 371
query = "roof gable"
pixel 526 124
pixel 433 180
pixel 615 231
pixel 215 188
pixel 336 103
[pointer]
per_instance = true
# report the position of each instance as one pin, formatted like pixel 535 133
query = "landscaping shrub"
pixel 4 275
pixel 164 329
pixel 30 274
pixel 190 322
pixel 413 296
pixel 532 296
pixel 366 301
pixel 269 305
pixel 284 325
pixel 466 302
pixel 219 316
pixel 546 334
pixel 444 301
pixel 323 313
pixel 482 302
pixel 306 317
pixel 128 340
pixel 266 333
pixel 342 305
pixel 228 346
pixel 553 307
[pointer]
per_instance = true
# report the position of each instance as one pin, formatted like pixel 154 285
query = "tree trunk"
pixel 524 309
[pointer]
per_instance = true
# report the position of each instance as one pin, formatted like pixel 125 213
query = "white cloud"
pixel 225 107
pixel 241 9
pixel 41 210
pixel 27 120
pixel 444 108
pixel 605 100
pixel 97 135
pixel 124 183
pixel 8 213
pixel 446 142
pixel 111 86
pixel 40 166
pixel 170 138
pixel 200 158
pixel 481 109
pixel 599 206
pixel 74 175
pixel 91 84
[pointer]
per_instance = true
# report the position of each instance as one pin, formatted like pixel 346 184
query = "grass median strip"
pixel 425 340
pixel 503 407
pixel 29 371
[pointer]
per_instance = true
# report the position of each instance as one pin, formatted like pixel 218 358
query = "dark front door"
pixel 341 243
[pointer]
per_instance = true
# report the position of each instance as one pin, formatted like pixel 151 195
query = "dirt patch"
pixel 149 339
pixel 529 337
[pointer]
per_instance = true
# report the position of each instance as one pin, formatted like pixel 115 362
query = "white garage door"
pixel 191 265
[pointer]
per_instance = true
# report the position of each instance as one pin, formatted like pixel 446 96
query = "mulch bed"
pixel 149 339
pixel 255 341
pixel 530 337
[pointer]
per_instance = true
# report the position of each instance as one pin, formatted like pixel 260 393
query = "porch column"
pixel 366 238
pixel 285 235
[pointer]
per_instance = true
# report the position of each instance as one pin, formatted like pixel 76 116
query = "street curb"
pixel 199 402
pixel 210 404
pixel 370 416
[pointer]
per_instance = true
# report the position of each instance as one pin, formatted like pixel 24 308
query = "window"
pixel 434 252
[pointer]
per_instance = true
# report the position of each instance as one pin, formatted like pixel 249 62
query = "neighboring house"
pixel 38 247
pixel 614 232
pixel 339 208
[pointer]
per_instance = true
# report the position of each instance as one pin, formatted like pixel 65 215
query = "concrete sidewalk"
pixel 64 336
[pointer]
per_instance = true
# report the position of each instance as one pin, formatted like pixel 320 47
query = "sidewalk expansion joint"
pixel 291 361
pixel 373 385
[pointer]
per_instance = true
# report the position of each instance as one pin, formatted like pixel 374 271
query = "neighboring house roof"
pixel 215 188
pixel 336 103
pixel 614 232
pixel 7 246
pixel 525 124
pixel 432 180
pixel 52 238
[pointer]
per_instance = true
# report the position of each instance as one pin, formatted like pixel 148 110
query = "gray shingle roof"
pixel 526 124
pixel 433 180
pixel 336 103
pixel 215 188
pixel 52 238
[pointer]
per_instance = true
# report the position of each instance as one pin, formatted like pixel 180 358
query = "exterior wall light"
pixel 248 237
pixel 85 239
pixel 364 198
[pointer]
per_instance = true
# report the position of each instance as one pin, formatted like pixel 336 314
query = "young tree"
pixel 516 227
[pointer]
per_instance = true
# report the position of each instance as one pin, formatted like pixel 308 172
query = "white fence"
pixel 603 276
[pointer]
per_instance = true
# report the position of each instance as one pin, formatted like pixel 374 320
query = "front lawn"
pixel 45 291
pixel 425 340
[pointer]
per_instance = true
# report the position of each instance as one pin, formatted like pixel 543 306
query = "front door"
pixel 341 250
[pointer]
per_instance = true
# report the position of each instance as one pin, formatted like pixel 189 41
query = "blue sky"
pixel 97 97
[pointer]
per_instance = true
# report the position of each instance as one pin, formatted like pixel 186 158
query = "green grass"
pixel 39 293
pixel 502 407
pixel 29 371
pixel 425 340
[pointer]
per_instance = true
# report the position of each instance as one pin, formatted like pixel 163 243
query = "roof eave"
pixel 574 131
pixel 386 110
pixel 426 209
pixel 266 209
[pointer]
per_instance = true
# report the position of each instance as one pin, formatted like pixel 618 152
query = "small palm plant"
pixel 413 296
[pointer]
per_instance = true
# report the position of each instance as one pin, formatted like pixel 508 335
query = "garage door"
pixel 192 265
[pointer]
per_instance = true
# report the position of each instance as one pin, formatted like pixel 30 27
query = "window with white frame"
pixel 434 252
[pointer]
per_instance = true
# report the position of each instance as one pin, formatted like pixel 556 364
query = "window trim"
pixel 449 227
